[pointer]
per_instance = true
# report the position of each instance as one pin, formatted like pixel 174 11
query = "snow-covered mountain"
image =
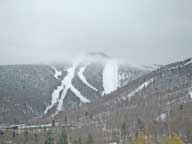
pixel 28 91
pixel 158 103
pixel 88 77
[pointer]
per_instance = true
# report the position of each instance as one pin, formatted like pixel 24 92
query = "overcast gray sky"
pixel 138 31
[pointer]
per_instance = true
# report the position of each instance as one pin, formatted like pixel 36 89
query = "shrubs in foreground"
pixel 51 137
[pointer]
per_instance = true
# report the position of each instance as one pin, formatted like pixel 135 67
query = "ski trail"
pixel 55 97
pixel 142 86
pixel 60 104
pixel 57 73
pixel 68 85
pixel 78 94
pixel 83 79
pixel 110 76
pixel 56 92
pixel 67 82
pixel 189 61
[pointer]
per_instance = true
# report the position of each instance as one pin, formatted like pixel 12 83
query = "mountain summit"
pixel 98 54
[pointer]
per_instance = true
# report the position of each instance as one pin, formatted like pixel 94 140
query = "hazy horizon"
pixel 138 32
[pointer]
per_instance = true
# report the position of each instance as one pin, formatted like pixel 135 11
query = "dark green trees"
pixel 63 138
pixel 89 139
pixel 49 139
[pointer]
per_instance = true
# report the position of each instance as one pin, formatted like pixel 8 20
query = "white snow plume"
pixel 142 86
pixel 110 76
pixel 83 79
pixel 57 73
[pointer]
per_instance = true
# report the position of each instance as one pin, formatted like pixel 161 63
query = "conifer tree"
pixel 49 139
pixel 63 137
pixel 79 140
pixel 89 139
pixel 123 132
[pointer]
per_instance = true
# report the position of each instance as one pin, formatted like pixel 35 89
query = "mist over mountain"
pixel 29 91
pixel 95 72
pixel 98 95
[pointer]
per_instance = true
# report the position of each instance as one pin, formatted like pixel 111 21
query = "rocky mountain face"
pixel 28 91
pixel 158 103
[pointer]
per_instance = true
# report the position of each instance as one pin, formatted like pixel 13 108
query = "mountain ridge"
pixel 156 103
pixel 29 90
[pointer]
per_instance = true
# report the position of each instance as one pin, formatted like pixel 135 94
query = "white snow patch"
pixel 68 85
pixel 55 97
pixel 83 79
pixel 190 94
pixel 181 65
pixel 57 73
pixel 35 126
pixel 142 86
pixel 123 78
pixel 30 108
pixel 110 76
pixel 79 95
pixel 188 62
pixel 161 117
pixel 64 87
